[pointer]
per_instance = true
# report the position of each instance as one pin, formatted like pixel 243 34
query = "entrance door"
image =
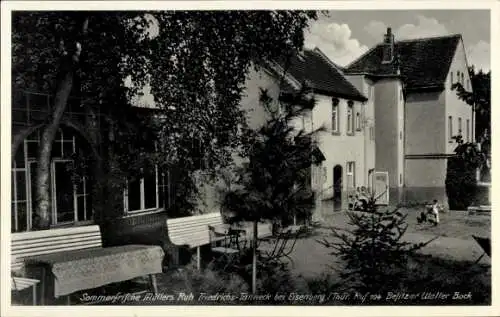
pixel 63 192
pixel 337 186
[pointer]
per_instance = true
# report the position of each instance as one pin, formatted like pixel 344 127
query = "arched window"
pixel 69 182
pixel 358 122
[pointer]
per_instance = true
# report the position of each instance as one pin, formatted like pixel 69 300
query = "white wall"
pixel 455 107
pixel 342 148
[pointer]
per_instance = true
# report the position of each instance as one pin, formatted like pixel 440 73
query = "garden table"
pixel 72 271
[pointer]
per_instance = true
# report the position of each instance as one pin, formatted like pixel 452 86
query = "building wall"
pixel 455 107
pixel 428 136
pixel 389 129
pixel 339 148
pixel 367 88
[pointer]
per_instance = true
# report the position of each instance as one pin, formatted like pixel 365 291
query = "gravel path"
pixel 454 240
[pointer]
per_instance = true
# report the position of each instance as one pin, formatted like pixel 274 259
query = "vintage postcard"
pixel 205 158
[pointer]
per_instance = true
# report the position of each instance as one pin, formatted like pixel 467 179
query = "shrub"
pixel 374 258
pixel 461 181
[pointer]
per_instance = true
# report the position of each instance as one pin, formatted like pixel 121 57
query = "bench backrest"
pixel 192 230
pixel 32 243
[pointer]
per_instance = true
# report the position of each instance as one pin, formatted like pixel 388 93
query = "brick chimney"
pixel 388 47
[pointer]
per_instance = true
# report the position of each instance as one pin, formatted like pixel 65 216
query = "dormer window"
pixel 451 79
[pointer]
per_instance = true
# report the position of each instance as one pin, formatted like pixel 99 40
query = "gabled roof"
pixel 424 63
pixel 315 70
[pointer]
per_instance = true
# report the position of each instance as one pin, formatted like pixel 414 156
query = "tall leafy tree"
pixel 195 64
pixel 480 99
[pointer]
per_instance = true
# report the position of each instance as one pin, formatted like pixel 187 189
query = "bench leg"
pixel 34 294
pixel 198 258
pixel 154 286
pixel 42 287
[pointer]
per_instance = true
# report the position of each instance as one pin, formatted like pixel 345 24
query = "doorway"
pixel 337 186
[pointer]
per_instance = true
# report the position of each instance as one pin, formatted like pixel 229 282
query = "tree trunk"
pixel 254 259
pixel 42 216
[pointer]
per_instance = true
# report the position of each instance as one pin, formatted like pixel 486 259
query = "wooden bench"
pixel 46 242
pixel 471 210
pixel 193 231
pixel 34 243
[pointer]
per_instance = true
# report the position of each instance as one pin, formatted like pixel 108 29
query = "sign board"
pixel 381 187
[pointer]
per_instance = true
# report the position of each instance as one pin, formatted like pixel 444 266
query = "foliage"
pixel 373 255
pixel 461 178
pixel 274 184
pixel 195 63
pixel 480 97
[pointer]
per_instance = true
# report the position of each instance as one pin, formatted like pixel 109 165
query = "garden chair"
pixel 225 246
pixel 283 243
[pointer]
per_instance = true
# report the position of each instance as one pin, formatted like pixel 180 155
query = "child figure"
pixel 434 210
pixel 431 210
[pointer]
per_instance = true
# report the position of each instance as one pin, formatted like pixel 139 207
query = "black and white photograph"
pixel 271 156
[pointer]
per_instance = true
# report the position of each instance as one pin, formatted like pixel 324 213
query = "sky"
pixel 345 35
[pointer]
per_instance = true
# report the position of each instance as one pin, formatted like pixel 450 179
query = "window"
pixel 350 117
pixel 335 116
pixel 467 85
pixel 451 79
pixel 460 126
pixel 19 188
pixel 401 95
pixel 400 179
pixel 142 193
pixel 164 190
pixel 458 77
pixel 462 78
pixel 358 121
pixel 450 127
pixel 351 183
pixel 70 193
pixel 467 130
pixel 372 133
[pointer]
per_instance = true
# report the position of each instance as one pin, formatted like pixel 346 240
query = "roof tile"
pixel 423 62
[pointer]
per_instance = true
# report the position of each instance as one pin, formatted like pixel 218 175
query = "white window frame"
pixel 467 127
pixel 335 116
pixel 53 196
pixel 351 172
pixel 450 128
pixel 142 196
pixel 357 121
pixel 29 185
pixel 350 118
pixel 15 201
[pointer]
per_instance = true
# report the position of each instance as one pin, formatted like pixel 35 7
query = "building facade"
pixel 342 117
pixel 416 110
